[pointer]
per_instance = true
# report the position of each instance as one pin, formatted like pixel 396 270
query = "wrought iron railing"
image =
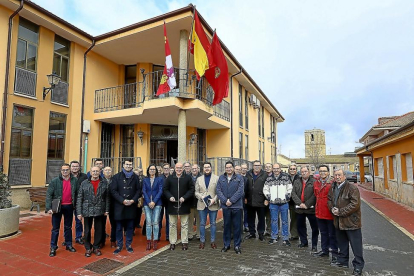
pixel 25 82
pixel 133 95
pixel 218 163
pixel 116 162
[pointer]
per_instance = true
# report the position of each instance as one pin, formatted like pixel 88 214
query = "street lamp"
pixel 53 80
pixel 140 134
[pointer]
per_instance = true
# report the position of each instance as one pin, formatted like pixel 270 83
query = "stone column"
pixel 361 168
pixel 183 60
pixel 182 136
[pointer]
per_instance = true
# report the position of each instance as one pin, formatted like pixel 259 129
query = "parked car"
pixel 368 177
pixel 351 176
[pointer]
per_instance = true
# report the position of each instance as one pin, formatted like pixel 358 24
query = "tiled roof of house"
pixel 398 121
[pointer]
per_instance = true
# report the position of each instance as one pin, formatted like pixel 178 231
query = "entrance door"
pixel 172 151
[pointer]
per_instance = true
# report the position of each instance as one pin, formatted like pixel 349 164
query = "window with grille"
pixel 240 105
pixel 246 110
pixel 21 133
pixel 61 58
pixel 241 145
pixel 27 44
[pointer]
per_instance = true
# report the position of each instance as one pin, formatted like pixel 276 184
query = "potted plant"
pixel 9 214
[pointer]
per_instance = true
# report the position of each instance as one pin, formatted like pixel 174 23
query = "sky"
pixel 331 65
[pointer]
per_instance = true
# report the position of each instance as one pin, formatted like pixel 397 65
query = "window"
pixel 21 133
pixel 263 134
pixel 259 120
pixel 260 150
pixel 57 135
pixel 246 110
pixel 379 167
pixel 407 166
pixel 61 58
pixel 241 145
pixel 392 164
pixel 240 105
pixel 26 56
pixel 263 153
pixel 246 147
pixel 127 145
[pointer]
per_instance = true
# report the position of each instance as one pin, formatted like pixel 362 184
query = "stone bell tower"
pixel 315 143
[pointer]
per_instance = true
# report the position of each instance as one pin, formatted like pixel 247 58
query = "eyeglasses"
pixel 257 165
pixel 64 170
pixel 151 169
pixel 128 165
pixel 95 171
pixel 323 171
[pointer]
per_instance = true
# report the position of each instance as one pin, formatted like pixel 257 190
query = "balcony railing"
pixel 134 94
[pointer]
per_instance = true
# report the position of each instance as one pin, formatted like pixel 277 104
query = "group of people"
pixel 331 205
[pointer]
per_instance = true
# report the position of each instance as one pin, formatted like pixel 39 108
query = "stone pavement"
pixel 387 251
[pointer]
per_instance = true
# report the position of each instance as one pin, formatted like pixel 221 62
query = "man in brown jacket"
pixel 344 202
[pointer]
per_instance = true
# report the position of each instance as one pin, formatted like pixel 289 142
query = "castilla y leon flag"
pixel 218 76
pixel 199 47
pixel 168 79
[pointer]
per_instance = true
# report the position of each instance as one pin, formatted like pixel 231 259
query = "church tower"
pixel 315 143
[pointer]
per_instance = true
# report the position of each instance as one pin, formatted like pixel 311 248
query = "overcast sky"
pixel 332 65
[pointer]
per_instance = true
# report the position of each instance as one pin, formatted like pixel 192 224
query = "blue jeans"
pixel 203 220
pixel 275 209
pixel 328 237
pixel 232 219
pixel 245 219
pixel 152 217
pixel 67 212
pixel 78 227
pixel 129 225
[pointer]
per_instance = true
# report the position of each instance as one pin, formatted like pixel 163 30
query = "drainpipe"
pixel 83 106
pixel 231 111
pixel 372 168
pixel 85 160
pixel 6 82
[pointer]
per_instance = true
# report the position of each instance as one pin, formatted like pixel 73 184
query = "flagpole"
pixel 191 36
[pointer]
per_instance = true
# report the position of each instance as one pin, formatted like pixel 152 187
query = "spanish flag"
pixel 199 47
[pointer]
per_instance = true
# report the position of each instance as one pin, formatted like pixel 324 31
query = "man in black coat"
pixel 125 190
pixel 293 175
pixel 179 189
pixel 255 200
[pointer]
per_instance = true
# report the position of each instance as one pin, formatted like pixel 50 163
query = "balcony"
pixel 134 95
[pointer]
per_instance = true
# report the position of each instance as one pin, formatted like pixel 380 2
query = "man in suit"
pixel 206 187
pixel 125 190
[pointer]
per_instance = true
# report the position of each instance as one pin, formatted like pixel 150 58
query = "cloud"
pixel 333 65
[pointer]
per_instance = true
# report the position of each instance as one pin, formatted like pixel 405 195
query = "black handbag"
pixel 56 204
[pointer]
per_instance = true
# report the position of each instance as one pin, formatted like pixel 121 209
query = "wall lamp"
pixel 53 80
pixel 140 134
pixel 193 138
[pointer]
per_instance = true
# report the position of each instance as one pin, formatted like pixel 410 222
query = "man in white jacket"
pixel 277 190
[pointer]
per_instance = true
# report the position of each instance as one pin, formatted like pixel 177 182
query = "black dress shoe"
pixel 314 250
pixel 261 237
pixel 338 264
pixel 301 245
pixel 52 252
pixel 70 249
pixel 80 241
pixel 321 254
pixel 357 271
pixel 88 253
pixel 249 236
pixel 237 250
pixel 225 249
pixel 293 238
pixel 97 252
pixel 172 247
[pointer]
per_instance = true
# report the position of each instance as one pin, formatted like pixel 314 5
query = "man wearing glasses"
pixel 293 175
pixel 125 190
pixel 229 190
pixel 321 188
pixel 63 187
pixel 179 189
pixel 255 200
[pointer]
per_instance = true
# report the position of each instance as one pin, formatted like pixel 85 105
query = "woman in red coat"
pixel 321 187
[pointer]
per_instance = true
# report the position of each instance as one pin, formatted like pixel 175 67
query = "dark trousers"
pixel 251 216
pixel 353 237
pixel 245 219
pixel 67 212
pixel 167 222
pixel 303 235
pixel 232 219
pixel 103 238
pixel 129 229
pixel 293 221
pixel 97 225
pixel 78 227
pixel 112 221
pixel 328 237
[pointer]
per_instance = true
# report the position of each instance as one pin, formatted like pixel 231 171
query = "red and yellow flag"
pixel 199 47
pixel 218 76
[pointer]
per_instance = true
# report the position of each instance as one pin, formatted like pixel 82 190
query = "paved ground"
pixel 387 251
pixel 388 244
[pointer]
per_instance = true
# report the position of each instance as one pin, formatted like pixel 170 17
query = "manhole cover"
pixel 103 266
pixel 27 215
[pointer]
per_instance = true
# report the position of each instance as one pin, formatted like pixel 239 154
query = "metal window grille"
pixel 53 169
pixel 25 82
pixel 20 171
pixel 60 93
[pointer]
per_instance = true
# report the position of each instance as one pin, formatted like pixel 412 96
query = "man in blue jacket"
pixel 230 191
